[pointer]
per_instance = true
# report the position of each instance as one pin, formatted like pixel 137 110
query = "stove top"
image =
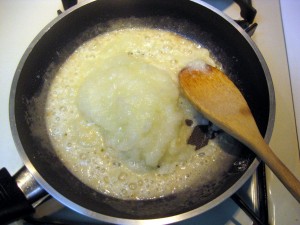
pixel 21 21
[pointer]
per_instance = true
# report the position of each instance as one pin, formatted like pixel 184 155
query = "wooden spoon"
pixel 221 102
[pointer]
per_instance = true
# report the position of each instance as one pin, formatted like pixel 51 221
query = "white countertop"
pixel 291 26
pixel 283 208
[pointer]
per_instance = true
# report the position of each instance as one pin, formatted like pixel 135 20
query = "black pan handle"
pixel 13 203
pixel 68 3
pixel 248 14
pixel 19 194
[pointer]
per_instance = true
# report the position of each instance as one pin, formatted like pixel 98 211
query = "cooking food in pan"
pixel 40 82
pixel 116 118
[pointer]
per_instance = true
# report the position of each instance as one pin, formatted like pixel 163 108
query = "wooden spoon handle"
pixel 278 168
pixel 220 101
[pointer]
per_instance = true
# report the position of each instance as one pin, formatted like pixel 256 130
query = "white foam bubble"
pixel 197 65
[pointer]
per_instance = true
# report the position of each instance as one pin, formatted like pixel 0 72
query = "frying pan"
pixel 228 43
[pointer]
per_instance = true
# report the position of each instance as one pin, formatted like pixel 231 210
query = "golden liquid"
pixel 123 134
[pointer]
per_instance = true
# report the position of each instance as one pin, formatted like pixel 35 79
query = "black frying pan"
pixel 227 42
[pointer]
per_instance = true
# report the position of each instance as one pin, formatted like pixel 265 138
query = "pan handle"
pixel 16 196
pixel 248 14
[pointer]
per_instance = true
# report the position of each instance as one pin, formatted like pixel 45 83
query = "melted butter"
pixel 94 120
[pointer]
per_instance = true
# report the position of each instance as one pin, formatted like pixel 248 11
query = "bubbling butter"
pixel 116 119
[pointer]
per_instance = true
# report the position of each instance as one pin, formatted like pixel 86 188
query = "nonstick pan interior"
pixel 227 43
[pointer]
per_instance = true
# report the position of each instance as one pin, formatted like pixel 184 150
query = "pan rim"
pixel 67 202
